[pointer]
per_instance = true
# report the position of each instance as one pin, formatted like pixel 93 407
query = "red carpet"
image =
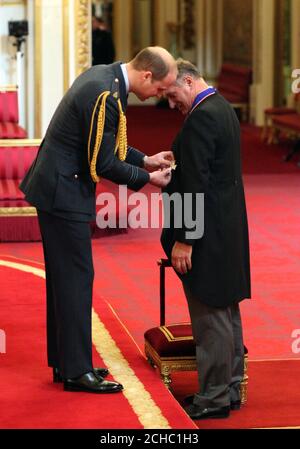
pixel 260 158
pixel 273 313
pixel 273 397
pixel 151 130
pixel 30 400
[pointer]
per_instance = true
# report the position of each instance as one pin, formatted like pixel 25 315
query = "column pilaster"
pixel 262 89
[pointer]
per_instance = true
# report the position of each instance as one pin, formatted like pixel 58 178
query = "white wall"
pixel 52 59
pixel 51 68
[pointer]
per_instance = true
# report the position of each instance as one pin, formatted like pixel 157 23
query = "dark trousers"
pixel 219 352
pixel 69 282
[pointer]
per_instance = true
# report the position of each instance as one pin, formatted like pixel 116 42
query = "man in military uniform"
pixel 103 49
pixel 86 140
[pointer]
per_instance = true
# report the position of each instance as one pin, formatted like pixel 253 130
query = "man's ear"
pixel 147 75
pixel 188 80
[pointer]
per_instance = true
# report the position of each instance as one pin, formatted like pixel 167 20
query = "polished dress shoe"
pixel 234 405
pixel 195 412
pixel 91 383
pixel 100 372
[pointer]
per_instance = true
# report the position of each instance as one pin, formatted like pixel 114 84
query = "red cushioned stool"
pixel 269 132
pixel 171 347
pixel 233 82
pixel 18 220
pixel 9 114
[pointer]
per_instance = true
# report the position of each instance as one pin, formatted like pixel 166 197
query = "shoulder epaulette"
pixel 121 140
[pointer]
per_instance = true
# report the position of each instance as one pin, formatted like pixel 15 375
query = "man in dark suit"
pixel 103 49
pixel 86 140
pixel 213 266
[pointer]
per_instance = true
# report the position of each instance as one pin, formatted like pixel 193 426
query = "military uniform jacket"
pixel 207 154
pixel 59 180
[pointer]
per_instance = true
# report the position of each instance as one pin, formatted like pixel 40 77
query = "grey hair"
pixel 187 68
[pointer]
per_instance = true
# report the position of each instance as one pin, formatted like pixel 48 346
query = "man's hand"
pixel 164 159
pixel 181 257
pixel 160 178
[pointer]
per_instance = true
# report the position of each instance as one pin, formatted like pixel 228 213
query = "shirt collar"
pixel 202 96
pixel 126 79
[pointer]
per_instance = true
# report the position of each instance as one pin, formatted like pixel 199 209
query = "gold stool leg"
pixel 165 375
pixel 244 390
pixel 265 129
pixel 244 383
pixel 150 361
pixel 276 136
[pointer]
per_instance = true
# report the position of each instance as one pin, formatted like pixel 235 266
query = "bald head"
pixel 151 72
pixel 156 60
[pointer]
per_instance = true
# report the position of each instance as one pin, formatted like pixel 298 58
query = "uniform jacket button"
pixel 76 176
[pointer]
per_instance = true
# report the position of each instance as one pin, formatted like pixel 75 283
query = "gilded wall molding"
pixel 9 88
pixel 83 35
pixel 19 142
pixel 66 43
pixel 12 2
pixel 18 212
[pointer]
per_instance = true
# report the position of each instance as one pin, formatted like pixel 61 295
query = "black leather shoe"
pixel 196 412
pixel 234 405
pixel 188 400
pixel 91 383
pixel 100 372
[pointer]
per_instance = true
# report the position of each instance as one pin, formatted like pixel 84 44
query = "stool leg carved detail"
pixel 165 375
pixel 266 129
pixel 150 361
pixel 244 383
pixel 166 368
